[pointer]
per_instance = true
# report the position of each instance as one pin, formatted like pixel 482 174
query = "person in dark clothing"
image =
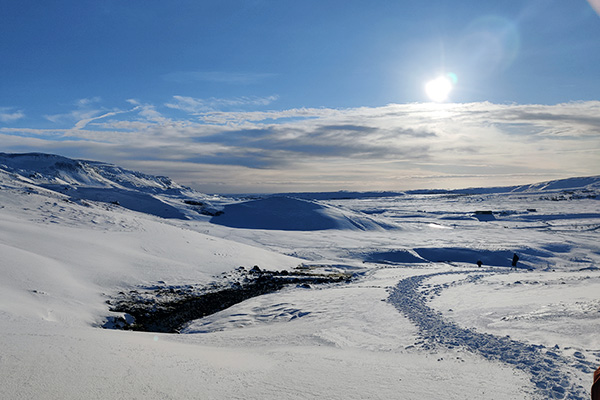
pixel 515 259
pixel 596 385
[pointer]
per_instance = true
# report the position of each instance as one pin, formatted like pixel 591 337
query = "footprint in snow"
pixel 546 368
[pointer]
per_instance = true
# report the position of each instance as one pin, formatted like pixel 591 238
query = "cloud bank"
pixel 394 147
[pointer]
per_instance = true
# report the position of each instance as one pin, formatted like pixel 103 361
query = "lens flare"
pixel 489 44
pixel 453 78
pixel 595 5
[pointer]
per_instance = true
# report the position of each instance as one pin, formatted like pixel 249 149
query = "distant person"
pixel 515 260
pixel 596 385
pixel 479 263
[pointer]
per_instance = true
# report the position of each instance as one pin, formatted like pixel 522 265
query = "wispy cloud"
pixel 9 114
pixel 201 106
pixel 84 109
pixel 89 110
pixel 83 122
pixel 391 147
pixel 87 101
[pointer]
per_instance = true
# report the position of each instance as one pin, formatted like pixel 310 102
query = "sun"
pixel 438 89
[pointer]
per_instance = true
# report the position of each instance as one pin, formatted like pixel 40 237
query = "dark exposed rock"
pixel 193 203
pixel 166 309
pixel 255 270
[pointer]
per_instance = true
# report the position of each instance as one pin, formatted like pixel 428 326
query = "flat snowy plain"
pixel 420 320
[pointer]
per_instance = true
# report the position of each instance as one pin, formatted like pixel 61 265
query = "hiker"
pixel 479 263
pixel 515 259
pixel 596 385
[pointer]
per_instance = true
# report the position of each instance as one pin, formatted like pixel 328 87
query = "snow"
pixel 290 214
pixel 420 320
pixel 546 366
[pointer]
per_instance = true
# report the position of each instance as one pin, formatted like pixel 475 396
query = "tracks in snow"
pixel 546 368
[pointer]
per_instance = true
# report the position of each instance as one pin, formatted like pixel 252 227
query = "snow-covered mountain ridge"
pixel 586 184
pixel 50 169
pixel 98 181
pixel 161 196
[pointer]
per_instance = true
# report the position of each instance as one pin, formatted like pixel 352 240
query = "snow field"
pixel 96 364
pixel 421 320
pixel 77 263
pixel 556 310
pixel 546 367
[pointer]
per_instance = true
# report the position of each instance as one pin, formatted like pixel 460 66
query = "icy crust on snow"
pixel 546 367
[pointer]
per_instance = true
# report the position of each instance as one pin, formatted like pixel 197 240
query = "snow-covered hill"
pixel 160 196
pixel 291 214
pixel 96 181
pixel 590 184
pixel 54 170
pixel 420 320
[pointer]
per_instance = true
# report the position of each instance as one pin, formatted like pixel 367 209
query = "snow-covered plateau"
pixel 420 319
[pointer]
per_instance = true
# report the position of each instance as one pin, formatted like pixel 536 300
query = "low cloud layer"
pixel 370 148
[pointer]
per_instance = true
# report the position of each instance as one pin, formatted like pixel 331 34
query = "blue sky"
pixel 255 96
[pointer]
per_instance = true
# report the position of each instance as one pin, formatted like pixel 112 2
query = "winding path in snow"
pixel 546 368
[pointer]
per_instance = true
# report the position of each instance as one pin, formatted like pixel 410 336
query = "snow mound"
pixel 394 257
pixel 289 214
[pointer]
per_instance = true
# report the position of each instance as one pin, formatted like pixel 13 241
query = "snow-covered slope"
pixel 160 196
pixel 581 184
pixel 421 320
pixel 590 183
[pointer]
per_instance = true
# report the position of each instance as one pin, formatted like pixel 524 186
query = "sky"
pixel 255 96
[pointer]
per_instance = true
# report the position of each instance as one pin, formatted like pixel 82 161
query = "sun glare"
pixel 438 89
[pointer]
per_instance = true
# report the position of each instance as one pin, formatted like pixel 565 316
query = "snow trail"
pixel 545 366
